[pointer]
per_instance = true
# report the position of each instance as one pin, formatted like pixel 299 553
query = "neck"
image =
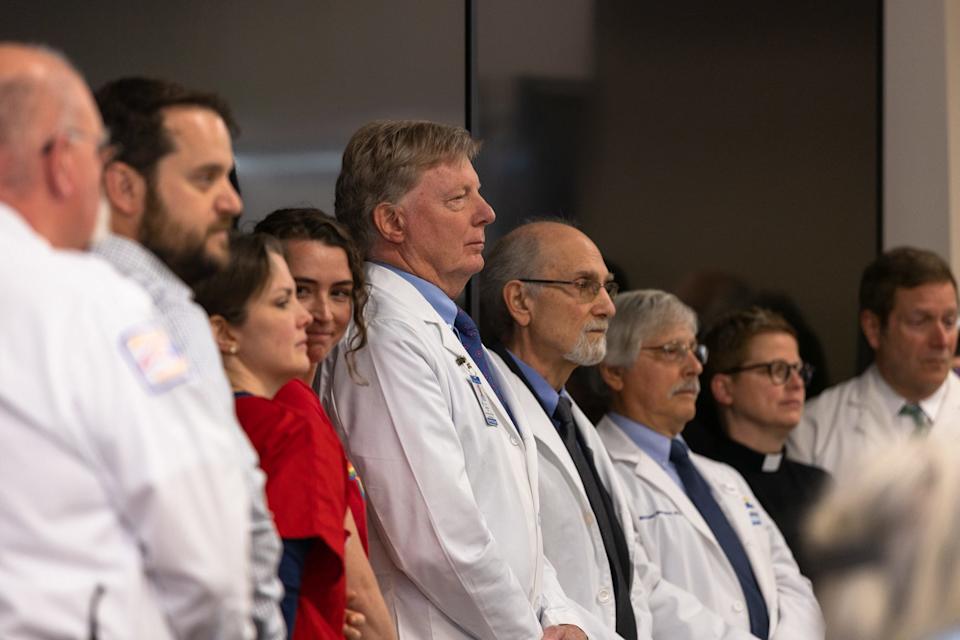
pixel 311 374
pixel 395 258
pixel 630 410
pixel 760 438
pixel 909 393
pixel 556 371
pixel 242 379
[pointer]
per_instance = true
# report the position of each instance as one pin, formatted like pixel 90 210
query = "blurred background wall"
pixel 708 148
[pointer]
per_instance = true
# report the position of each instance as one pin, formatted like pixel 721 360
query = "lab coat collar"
pixel 621 447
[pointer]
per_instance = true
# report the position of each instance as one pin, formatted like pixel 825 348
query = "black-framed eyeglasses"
pixel 779 370
pixel 677 351
pixel 587 288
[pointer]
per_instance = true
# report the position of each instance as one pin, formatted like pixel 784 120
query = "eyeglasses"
pixel 587 289
pixel 779 370
pixel 677 351
pixel 102 141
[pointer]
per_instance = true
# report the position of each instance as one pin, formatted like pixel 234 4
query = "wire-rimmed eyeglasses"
pixel 779 370
pixel 677 350
pixel 587 288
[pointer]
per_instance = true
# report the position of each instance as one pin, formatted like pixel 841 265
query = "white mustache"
pixel 594 325
pixel 690 385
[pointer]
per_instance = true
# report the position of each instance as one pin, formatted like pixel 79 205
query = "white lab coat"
pixel 681 543
pixel 115 478
pixel 848 421
pixel 455 541
pixel 574 546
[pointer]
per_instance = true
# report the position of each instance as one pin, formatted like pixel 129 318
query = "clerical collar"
pixel 744 458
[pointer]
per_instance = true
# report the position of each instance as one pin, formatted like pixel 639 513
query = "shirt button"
pixel 515 441
pixel 737 606
pixel 603 596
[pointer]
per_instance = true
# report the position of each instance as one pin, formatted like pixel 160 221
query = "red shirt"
pixel 298 396
pixel 307 492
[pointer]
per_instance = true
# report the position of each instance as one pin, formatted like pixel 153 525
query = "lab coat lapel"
pixel 734 506
pixel 621 446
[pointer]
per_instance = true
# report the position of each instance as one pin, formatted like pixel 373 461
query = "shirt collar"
pixel 547 395
pixel 441 302
pixel 656 445
pixel 893 401
pixel 741 456
pixel 140 264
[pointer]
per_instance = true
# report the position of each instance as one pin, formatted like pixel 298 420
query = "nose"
pixel 486 214
pixel 794 379
pixel 697 368
pixel 605 307
pixel 942 335
pixel 302 316
pixel 229 200
pixel 321 309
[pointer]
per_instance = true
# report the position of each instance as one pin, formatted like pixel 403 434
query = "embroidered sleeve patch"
pixel 154 357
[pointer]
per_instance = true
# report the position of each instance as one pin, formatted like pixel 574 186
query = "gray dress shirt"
pixel 190 329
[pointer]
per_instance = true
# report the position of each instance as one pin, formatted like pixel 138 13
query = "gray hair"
pixel 516 255
pixel 886 546
pixel 383 161
pixel 641 315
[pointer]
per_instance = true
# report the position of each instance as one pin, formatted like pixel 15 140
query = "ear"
pixel 224 335
pixel 389 221
pixel 126 190
pixel 58 168
pixel 517 301
pixel 612 376
pixel 870 325
pixel 721 385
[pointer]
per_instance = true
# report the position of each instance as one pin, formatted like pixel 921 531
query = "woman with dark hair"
pixel 328 271
pixel 261 330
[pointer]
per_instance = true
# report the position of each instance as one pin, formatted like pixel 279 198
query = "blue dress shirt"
pixel 656 445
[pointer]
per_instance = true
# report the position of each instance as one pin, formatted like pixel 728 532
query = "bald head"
pixel 50 132
pixel 532 250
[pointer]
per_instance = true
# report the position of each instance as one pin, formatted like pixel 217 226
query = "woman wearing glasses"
pixel 757 384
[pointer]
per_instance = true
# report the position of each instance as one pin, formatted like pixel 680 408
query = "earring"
pixel 233 350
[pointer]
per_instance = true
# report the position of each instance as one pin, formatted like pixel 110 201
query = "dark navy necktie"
pixel 611 533
pixel 699 493
pixel 470 339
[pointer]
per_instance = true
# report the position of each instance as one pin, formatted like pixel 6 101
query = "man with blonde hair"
pixel 123 514
pixel 449 466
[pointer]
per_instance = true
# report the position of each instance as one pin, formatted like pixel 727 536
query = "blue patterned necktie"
pixel 699 493
pixel 470 339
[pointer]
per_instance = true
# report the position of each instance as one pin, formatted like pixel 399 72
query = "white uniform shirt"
pixel 121 505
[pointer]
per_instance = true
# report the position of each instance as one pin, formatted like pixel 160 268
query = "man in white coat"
pixel 122 511
pixel 908 314
pixel 451 476
pixel 546 294
pixel 696 518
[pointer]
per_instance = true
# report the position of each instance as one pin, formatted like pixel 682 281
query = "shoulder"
pixel 720 472
pixel 833 396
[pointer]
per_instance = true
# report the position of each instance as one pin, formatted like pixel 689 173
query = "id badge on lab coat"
pixel 476 384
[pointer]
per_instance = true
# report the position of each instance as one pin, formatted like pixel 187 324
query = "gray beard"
pixel 587 352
